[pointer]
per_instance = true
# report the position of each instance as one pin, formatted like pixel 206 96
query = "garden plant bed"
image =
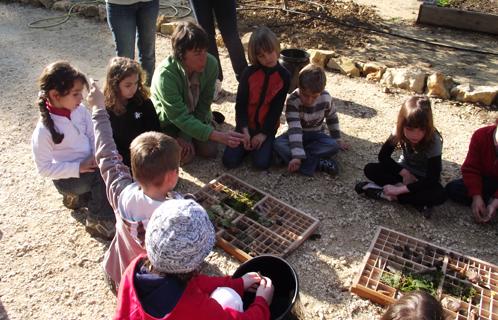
pixel 458 18
pixel 397 263
pixel 249 222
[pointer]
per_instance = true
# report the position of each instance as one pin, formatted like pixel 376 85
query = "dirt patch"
pixel 304 24
pixel 486 6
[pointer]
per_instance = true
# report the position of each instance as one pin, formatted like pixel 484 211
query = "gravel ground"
pixel 51 266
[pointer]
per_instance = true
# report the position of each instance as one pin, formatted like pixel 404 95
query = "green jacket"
pixel 169 93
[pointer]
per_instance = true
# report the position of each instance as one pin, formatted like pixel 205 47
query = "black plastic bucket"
pixel 294 60
pixel 285 304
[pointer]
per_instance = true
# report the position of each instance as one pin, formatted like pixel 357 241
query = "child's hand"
pixel 294 165
pixel 344 146
pixel 265 290
pixel 479 209
pixel 251 281
pixel 407 177
pixel 247 139
pixel 491 210
pixel 258 140
pixel 88 165
pixel 95 97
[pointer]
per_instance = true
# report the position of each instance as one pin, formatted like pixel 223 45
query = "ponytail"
pixel 48 122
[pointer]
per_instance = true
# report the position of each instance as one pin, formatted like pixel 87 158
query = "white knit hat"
pixel 179 236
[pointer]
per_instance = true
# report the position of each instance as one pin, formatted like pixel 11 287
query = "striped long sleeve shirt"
pixel 308 119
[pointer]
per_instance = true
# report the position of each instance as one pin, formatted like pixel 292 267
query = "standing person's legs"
pixel 122 22
pixel 226 18
pixel 261 158
pixel 146 35
pixel 203 11
pixel 317 145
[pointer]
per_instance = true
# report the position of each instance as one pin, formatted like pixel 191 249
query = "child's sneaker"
pixel 329 166
pixel 103 228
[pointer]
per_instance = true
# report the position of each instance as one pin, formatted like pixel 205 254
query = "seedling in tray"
pixel 397 263
pixel 250 222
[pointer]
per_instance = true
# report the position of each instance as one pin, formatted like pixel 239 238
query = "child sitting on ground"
pixel 155 160
pixel 305 147
pixel 416 305
pixel 478 187
pixel 165 284
pixel 127 100
pixel 415 178
pixel 260 100
pixel 63 146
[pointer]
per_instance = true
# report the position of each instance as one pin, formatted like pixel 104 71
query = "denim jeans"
pixel 135 22
pixel 317 145
pixel 98 206
pixel 261 158
pixel 226 19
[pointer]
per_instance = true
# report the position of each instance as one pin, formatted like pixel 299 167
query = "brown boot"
pixel 103 228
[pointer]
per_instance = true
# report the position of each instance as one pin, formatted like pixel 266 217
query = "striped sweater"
pixel 308 119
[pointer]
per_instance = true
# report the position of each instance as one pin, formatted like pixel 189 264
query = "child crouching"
pixel 165 283
pixel 305 147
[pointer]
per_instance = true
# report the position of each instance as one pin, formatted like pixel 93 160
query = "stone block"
pixel 168 28
pixel 320 57
pixel 478 94
pixel 344 65
pixel 404 78
pixel 438 85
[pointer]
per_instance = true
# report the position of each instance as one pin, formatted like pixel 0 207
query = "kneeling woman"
pixel 182 92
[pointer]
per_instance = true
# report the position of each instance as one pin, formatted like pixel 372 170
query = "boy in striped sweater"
pixel 305 147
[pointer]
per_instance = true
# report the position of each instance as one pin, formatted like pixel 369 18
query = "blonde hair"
pixel 312 78
pixel 153 154
pixel 262 40
pixel 118 69
pixel 416 112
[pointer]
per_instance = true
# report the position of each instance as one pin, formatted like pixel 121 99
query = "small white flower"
pixel 138 115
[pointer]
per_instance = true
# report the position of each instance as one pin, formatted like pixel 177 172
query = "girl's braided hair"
pixel 59 76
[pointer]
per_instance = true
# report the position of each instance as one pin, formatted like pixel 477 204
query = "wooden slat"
pixel 458 19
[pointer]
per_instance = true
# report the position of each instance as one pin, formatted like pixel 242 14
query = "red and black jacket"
pixel 260 98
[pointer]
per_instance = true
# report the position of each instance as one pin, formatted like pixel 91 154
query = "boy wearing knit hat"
pixel 165 284
pixel 155 160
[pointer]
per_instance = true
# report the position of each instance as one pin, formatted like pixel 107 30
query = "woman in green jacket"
pixel 182 91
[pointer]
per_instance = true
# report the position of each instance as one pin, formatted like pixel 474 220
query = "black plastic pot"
pixel 285 304
pixel 294 60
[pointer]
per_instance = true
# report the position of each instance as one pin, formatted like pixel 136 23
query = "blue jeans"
pixel 317 145
pixel 98 206
pixel 135 21
pixel 261 158
pixel 226 19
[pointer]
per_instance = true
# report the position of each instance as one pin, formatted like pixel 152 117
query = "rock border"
pixel 436 84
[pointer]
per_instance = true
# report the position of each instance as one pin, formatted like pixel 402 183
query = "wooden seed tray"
pixel 469 283
pixel 268 226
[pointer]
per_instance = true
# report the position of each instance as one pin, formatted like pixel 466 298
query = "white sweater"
pixel 62 161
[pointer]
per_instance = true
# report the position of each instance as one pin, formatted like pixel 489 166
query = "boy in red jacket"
pixel 165 284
